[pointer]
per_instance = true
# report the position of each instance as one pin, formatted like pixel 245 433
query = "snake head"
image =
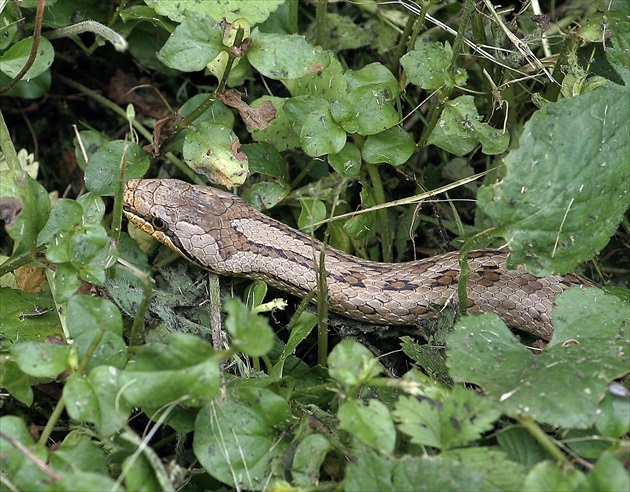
pixel 186 218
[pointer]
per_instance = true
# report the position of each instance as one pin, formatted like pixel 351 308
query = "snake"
pixel 223 233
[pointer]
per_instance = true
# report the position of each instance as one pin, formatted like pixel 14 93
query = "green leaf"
pixel 551 476
pixel 254 12
pixel 266 194
pixel 96 324
pixel 431 474
pixel 308 459
pixel 193 44
pixel 82 481
pixel 41 359
pixel 284 56
pixel 369 471
pixel 460 129
pixel 328 83
pixel 499 473
pixel 420 420
pixel 351 364
pixel 609 474
pixel 561 386
pixel 346 162
pixel 263 158
pixel 460 418
pixel 367 110
pixel 24 207
pixel 521 447
pixel 298 108
pixel 27 317
pixel 93 208
pixel 21 473
pixel 613 417
pixel 216 113
pixel 65 282
pixel 427 65
pixel 236 440
pixel 320 134
pixel 96 398
pixel 28 89
pixel 300 330
pixel 250 332
pixel 370 75
pixel 91 141
pixel 187 367
pixel 279 132
pixel 393 146
pixel 14 59
pixel 103 168
pixel 566 185
pixel 372 424
pixel 16 382
pixel 65 217
pixel 585 443
pixel 311 211
pixel 211 149
pixel 77 454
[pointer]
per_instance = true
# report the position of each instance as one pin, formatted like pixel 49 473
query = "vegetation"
pixel 388 129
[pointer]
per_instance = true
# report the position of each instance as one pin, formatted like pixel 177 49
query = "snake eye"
pixel 158 224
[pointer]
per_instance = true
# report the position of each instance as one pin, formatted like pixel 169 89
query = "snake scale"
pixel 226 235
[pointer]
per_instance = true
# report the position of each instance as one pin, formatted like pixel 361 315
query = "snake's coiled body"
pixel 228 236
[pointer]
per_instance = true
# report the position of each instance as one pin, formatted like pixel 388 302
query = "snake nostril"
pixel 158 224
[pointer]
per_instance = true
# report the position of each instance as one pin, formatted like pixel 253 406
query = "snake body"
pixel 226 235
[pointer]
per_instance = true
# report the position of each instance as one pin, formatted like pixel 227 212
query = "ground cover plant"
pixel 419 128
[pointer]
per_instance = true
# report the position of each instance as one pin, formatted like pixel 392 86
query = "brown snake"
pixel 226 235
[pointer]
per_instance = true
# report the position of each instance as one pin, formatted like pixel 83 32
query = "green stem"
pixel 147 290
pixel 118 200
pixel 52 421
pixel 419 22
pixel 14 263
pixel 293 16
pixel 544 440
pixel 37 33
pixel 459 39
pixel 402 42
pixel 118 42
pixel 320 21
pixel 442 97
pixel 198 111
pixel 307 169
pixel 570 45
pixel 232 56
pixel 379 196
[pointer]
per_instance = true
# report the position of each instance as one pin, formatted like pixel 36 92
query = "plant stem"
pixel 37 33
pixel 459 39
pixel 379 195
pixel 50 425
pixel 320 21
pixel 293 16
pixel 544 440
pixel 118 42
pixel 232 56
